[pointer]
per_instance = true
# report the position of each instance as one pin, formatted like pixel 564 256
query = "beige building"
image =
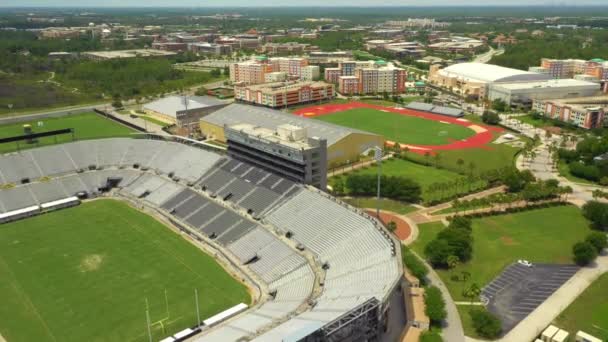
pixel 282 94
pixel 344 145
pixel 182 111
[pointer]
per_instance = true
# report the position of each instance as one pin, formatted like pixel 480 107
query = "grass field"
pixel 86 126
pixel 496 156
pixel 589 312
pixel 541 235
pixel 423 175
pixel 400 128
pixel 386 204
pixel 426 233
pixel 85 273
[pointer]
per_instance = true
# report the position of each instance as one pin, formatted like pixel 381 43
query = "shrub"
pixel 597 213
pixel 598 240
pixel 413 264
pixel 430 336
pixel 485 323
pixel 583 253
pixel 437 252
pixel 435 305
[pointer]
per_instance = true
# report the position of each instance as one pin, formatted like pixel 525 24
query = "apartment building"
pixel 562 68
pixel 254 71
pixel 284 48
pixel 371 77
pixel 584 112
pixel 210 48
pixel 250 72
pixel 282 94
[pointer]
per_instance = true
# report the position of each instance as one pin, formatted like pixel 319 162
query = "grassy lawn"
pixel 423 175
pixel 454 210
pixel 534 122
pixel 154 121
pixel 400 128
pixel 426 233
pixel 467 322
pixel 589 312
pixel 541 235
pixel 385 204
pixel 63 280
pixel 496 156
pixel 86 126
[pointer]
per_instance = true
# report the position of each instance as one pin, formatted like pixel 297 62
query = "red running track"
pixel 479 140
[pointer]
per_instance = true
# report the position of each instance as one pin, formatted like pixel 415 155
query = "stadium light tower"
pixel 378 157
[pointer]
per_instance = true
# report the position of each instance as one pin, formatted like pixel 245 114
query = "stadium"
pixel 316 268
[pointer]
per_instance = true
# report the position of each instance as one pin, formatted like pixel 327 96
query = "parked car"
pixel 524 263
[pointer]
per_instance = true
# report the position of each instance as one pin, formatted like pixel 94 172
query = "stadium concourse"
pixel 296 242
pixel 484 134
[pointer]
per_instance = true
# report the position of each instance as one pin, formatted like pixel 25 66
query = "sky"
pixel 255 3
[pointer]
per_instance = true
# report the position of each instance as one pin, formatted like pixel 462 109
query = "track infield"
pixel 416 135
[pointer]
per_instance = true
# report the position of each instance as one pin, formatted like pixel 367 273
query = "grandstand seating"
pixel 234 204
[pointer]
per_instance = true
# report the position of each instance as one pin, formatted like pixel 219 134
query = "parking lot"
pixel 518 290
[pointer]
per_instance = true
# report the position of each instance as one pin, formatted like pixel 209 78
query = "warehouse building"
pixel 183 111
pixel 524 93
pixel 344 145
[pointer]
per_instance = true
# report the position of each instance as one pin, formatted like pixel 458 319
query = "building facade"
pixel 287 151
pixel 586 113
pixel 369 77
pixel 254 71
pixel 284 94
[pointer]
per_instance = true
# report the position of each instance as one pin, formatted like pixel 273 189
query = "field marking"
pixel 19 289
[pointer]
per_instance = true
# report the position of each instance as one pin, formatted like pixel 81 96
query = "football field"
pixel 89 273
pixel 404 129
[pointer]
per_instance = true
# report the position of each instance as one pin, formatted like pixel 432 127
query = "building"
pixel 287 151
pixel 348 85
pixel 457 45
pixel 59 33
pixel 310 73
pixel 210 48
pixel 323 57
pixel 582 336
pixel 284 94
pixel 276 76
pixel 344 145
pixel 570 68
pixel 183 111
pixel 584 112
pixel 116 54
pixel 284 48
pixel 170 46
pixel 431 108
pixel 371 77
pixel 416 22
pixel 254 71
pixel 473 79
pixel 524 93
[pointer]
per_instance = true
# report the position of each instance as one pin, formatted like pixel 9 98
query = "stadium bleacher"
pixel 246 210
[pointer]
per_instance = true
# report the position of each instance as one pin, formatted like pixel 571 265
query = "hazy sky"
pixel 225 3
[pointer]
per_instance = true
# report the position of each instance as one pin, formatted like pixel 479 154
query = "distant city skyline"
pixel 278 3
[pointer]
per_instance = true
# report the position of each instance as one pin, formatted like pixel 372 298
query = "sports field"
pixel 540 235
pixel 86 273
pixel 400 128
pixel 86 126
pixel 589 312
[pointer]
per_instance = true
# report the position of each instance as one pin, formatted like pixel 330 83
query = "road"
pixel 486 57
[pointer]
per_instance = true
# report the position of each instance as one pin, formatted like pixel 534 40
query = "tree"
pixel 598 240
pixel 472 292
pixel 391 226
pixel 412 263
pixel 597 213
pixel 435 305
pixel 485 323
pixel 437 252
pixel 490 118
pixel 437 158
pixel 452 261
pixel 117 103
pixel 427 155
pixel 584 253
pixel 460 163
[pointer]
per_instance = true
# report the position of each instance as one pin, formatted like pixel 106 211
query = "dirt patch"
pixel 403 230
pixel 507 240
pixel 91 262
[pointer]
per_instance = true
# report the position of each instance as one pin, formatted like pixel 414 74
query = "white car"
pixel 524 263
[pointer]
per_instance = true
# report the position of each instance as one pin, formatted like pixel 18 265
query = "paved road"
pixel 486 57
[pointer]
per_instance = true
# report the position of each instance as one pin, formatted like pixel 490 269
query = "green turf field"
pixel 589 312
pixel 423 175
pixel 540 235
pixel 86 125
pixel 401 128
pixel 84 274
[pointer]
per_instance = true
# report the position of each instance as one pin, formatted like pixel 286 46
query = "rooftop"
pixel 481 72
pixel 271 135
pixel 269 118
pixel 559 83
pixel 280 87
pixel 171 105
pixel 129 53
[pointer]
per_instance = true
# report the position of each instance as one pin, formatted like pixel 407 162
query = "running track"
pixel 485 134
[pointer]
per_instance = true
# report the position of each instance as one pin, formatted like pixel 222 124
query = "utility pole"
pixel 198 314
pixel 378 157
pixel 148 325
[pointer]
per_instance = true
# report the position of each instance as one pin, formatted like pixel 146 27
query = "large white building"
pixel 527 92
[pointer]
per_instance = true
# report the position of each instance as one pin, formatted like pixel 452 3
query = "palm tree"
pixel 452 261
pixel 473 292
pixel 471 168
pixel 427 155
pixel 460 163
pixel 437 159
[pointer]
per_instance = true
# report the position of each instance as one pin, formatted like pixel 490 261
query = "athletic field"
pixel 88 274
pixel 86 126
pixel 400 128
